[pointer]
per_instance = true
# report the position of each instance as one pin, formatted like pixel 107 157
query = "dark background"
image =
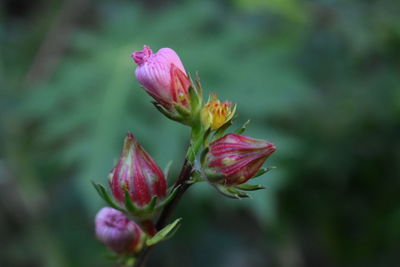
pixel 318 78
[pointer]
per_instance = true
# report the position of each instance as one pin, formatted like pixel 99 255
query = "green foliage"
pixel 165 233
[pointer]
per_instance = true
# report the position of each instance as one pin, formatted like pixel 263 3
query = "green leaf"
pixel 195 100
pixel 203 155
pixel 168 199
pixel 243 128
pixel 151 205
pixel 132 208
pixel 213 176
pixel 167 168
pixel 165 233
pixel 230 192
pixel 206 137
pixel 198 84
pixel 221 130
pixel 196 177
pixel 105 196
pixel 182 110
pixel 250 187
pixel 262 171
pixel 165 112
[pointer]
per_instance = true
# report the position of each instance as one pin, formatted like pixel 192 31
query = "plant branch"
pixel 184 175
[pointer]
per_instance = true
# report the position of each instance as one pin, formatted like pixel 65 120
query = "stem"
pixel 184 175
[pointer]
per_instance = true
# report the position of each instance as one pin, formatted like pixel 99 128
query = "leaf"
pixel 198 84
pixel 169 198
pixel 165 233
pixel 203 155
pixel 129 205
pixel 206 137
pixel 195 99
pixel 250 187
pixel 182 110
pixel 262 171
pixel 243 128
pixel 151 205
pixel 165 112
pixel 167 168
pixel 230 192
pixel 220 132
pixel 105 196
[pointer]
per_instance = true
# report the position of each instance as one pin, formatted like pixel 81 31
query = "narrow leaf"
pixel 105 196
pixel 151 205
pixel 250 187
pixel 182 110
pixel 165 112
pixel 262 171
pixel 243 128
pixel 129 205
pixel 198 84
pixel 167 168
pixel 230 192
pixel 220 132
pixel 165 233
pixel 206 137
pixel 168 199
pixel 194 99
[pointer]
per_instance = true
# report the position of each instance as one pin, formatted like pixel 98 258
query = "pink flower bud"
pixel 118 232
pixel 237 158
pixel 137 173
pixel 163 76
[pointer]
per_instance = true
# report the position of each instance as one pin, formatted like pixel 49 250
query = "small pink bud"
pixel 237 157
pixel 137 173
pixel 118 232
pixel 163 76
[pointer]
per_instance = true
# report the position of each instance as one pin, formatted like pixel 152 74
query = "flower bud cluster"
pixel 139 187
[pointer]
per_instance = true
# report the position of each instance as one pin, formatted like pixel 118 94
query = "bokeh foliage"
pixel 318 78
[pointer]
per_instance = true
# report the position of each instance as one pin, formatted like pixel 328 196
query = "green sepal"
pixel 262 171
pixel 203 155
pixel 121 259
pixel 166 112
pixel 213 177
pixel 198 84
pixel 165 233
pixel 150 207
pixel 221 130
pixel 168 199
pixel 131 208
pixel 136 212
pixel 185 114
pixel 206 137
pixel 230 192
pixel 167 168
pixel 250 187
pixel 195 142
pixel 195 99
pixel 105 196
pixel 196 177
pixel 243 128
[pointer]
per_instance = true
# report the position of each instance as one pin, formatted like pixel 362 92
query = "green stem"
pixel 181 182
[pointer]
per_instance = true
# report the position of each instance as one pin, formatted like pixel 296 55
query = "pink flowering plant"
pixel 140 203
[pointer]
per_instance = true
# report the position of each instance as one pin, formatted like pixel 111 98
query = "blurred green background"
pixel 318 78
